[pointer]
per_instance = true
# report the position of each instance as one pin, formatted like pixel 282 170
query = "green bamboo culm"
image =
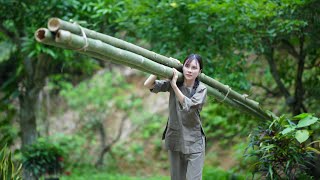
pixel 97 46
pixel 106 52
pixel 107 48
pixel 67 40
pixel 43 35
pixel 56 24
pixel 8 170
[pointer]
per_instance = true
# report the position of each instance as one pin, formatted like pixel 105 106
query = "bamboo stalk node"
pixel 225 97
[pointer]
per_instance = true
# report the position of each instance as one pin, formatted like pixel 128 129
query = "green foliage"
pixel 96 93
pixel 90 173
pixel 152 126
pixel 281 146
pixel 209 173
pixel 72 147
pixel 8 132
pixel 8 171
pixel 225 124
pixel 212 173
pixel 182 27
pixel 43 158
pixel 227 34
pixel 97 98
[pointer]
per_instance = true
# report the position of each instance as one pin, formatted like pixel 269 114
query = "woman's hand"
pixel 174 86
pixel 173 81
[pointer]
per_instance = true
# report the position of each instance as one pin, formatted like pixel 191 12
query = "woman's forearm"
pixel 149 83
pixel 179 94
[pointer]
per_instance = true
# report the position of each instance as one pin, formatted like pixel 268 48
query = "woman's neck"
pixel 188 83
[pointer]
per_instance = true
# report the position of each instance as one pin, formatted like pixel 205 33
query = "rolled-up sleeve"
pixel 161 86
pixel 196 101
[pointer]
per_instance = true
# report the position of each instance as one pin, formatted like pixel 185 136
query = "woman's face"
pixel 191 70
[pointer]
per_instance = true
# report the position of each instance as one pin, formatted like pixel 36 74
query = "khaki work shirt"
pixel 184 132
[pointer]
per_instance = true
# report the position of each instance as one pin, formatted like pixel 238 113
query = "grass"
pixel 107 176
pixel 209 173
pixel 94 174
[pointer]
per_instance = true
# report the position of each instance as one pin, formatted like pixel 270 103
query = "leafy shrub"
pixel 8 132
pixel 219 121
pixel 281 147
pixel 43 158
pixel 212 173
pixel 7 168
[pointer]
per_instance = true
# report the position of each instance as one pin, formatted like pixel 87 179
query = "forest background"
pixel 64 114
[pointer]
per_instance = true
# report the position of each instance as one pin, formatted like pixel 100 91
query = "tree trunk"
pixel 36 72
pixel 107 147
pixel 274 71
pixel 28 124
pixel 299 92
pixel 28 118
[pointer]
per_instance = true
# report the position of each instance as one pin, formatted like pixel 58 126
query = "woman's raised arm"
pixel 149 83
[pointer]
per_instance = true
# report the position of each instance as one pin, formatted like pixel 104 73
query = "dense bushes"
pixel 284 146
pixel 43 158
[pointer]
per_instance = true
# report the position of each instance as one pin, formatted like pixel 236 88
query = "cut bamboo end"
pixel 42 34
pixel 54 24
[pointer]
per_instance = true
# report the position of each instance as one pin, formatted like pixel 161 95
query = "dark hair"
pixel 193 57
pixel 189 59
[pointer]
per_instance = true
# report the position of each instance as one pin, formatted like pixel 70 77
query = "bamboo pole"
pixel 54 24
pixel 221 98
pixel 69 39
pixel 44 36
pixel 97 46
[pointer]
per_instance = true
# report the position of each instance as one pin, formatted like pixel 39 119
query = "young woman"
pixel 184 136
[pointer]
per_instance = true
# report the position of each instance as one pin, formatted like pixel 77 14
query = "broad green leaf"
pixel 307 121
pixel 302 135
pixel 301 116
pixel 288 130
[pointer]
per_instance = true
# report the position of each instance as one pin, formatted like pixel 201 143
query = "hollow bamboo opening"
pixel 40 34
pixel 54 24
